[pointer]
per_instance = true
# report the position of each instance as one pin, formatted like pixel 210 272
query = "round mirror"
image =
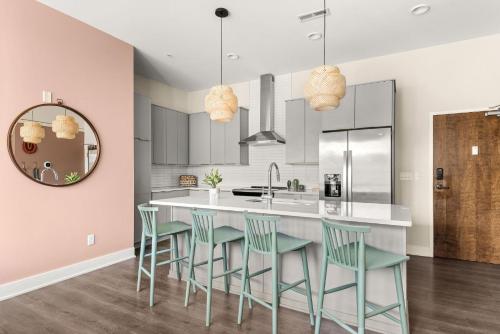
pixel 54 145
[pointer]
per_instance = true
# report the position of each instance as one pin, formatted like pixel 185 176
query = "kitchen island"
pixel 302 219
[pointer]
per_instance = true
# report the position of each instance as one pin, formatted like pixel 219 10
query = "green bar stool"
pixel 344 246
pixel 261 237
pixel 204 233
pixel 150 229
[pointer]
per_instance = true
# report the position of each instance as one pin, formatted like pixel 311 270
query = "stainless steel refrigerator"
pixel 357 165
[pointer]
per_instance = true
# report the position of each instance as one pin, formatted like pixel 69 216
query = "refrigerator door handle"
pixel 345 186
pixel 349 175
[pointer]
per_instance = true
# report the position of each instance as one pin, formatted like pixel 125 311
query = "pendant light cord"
pixel 324 32
pixel 221 51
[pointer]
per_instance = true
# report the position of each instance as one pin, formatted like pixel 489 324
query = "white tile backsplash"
pixel 260 156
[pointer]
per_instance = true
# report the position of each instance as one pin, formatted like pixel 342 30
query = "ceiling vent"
pixel 314 15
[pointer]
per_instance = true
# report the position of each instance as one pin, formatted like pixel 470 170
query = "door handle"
pixel 440 186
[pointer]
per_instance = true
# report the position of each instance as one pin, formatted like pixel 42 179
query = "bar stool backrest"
pixel 344 244
pixel 260 231
pixel 203 225
pixel 148 217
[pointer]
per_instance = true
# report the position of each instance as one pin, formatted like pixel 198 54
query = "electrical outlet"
pixel 47 96
pixel 90 239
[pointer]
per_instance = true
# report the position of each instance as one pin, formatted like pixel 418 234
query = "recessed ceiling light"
pixel 314 36
pixel 169 55
pixel 420 9
pixel 232 56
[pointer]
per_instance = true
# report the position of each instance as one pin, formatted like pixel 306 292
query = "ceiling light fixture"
pixel 221 103
pixel 31 131
pixel 314 36
pixel 326 85
pixel 420 9
pixel 232 56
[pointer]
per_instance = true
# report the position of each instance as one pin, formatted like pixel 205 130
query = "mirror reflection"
pixel 54 145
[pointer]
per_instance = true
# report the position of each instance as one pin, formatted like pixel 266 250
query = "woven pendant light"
pixel 32 132
pixel 326 85
pixel 221 103
pixel 65 127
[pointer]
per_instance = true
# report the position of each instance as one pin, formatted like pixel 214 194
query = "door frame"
pixel 430 252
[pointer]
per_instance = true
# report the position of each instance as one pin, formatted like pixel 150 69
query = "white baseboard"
pixel 419 251
pixel 15 288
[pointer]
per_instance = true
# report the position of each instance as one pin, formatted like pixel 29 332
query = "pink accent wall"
pixel 43 228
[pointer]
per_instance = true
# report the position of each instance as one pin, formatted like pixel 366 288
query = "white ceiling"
pixel 267 34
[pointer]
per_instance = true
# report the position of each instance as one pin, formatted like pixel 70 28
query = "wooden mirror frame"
pixel 91 126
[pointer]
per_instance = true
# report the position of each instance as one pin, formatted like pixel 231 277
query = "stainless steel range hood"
pixel 266 135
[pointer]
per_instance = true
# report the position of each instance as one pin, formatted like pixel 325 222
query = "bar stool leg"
pixel 321 292
pixel 244 280
pixel 188 251
pixel 360 293
pixel 190 269
pixel 176 255
pixel 305 268
pixel 141 261
pixel 154 246
pixel 247 285
pixel 226 268
pixel 401 299
pixel 209 283
pixel 276 287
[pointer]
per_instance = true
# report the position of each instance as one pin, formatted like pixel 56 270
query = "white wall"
pixel 161 94
pixel 453 76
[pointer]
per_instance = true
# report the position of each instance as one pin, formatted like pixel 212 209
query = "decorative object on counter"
pixel 326 85
pixel 213 179
pixel 296 184
pixel 221 103
pixel 188 181
pixel 64 126
pixel 27 149
pixel 289 185
pixel 72 177
pixel 302 188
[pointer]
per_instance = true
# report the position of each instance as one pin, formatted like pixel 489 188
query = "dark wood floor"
pixel 445 296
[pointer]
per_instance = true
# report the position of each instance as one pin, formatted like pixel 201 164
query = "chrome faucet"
pixel 269 195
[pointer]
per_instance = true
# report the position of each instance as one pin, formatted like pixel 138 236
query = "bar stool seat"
pixel 227 234
pixel 286 243
pixel 375 258
pixel 172 227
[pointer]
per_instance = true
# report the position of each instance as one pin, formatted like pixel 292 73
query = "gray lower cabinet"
pixel 182 138
pixel 199 139
pixel 159 135
pixel 163 215
pixel 341 118
pixel 303 126
pixel 374 104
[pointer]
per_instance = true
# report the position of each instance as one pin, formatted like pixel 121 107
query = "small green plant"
pixel 72 177
pixel 213 179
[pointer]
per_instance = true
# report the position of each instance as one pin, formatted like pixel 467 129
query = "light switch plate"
pixel 47 96
pixel 90 239
pixel 475 150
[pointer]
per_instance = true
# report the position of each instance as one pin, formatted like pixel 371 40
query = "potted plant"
pixel 213 179
pixel 72 177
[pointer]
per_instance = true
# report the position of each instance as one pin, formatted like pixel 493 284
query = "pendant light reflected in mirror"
pixel 31 131
pixel 221 103
pixel 326 85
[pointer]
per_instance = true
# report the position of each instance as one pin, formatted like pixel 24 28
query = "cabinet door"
pixel 374 104
pixel 217 142
pixel 236 130
pixel 171 135
pixel 199 139
pixel 159 135
pixel 142 117
pixel 295 131
pixel 182 138
pixel 341 118
pixel 312 130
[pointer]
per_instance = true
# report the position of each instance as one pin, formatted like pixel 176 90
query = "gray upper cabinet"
pixel 303 127
pixel 217 142
pixel 199 139
pixel 235 131
pixel 142 117
pixel 171 128
pixel 343 117
pixel 374 104
pixel 159 135
pixel 182 138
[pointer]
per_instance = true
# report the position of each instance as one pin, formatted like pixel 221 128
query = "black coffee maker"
pixel 333 185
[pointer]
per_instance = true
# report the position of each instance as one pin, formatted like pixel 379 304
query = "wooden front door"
pixel 467 199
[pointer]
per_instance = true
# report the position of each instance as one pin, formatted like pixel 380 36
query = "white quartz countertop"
pixel 228 189
pixel 370 213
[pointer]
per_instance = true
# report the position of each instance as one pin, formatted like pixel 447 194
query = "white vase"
pixel 213 195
